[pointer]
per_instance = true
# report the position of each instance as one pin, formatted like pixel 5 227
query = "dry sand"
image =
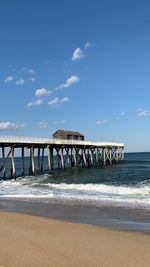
pixel 27 240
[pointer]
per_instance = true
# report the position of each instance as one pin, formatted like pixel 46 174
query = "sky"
pixel 77 65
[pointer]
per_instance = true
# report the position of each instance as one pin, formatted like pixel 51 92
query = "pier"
pixel 65 153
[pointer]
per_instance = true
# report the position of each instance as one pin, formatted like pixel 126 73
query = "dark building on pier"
pixel 68 135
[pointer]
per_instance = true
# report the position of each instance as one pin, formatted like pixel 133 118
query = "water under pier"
pixel 67 153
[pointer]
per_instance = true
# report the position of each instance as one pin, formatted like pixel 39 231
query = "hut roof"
pixel 69 132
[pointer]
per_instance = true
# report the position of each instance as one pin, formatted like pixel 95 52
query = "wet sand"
pixel 28 240
pixel 114 217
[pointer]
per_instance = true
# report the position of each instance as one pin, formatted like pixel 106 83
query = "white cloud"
pixel 55 122
pixel 63 121
pixel 122 114
pixel 88 45
pixel 78 54
pixel 21 76
pixel 20 81
pixel 54 101
pixel 32 79
pixel 42 124
pixel 143 113
pixel 57 101
pixel 11 126
pixel 31 71
pixel 101 122
pixel 26 70
pixel 42 92
pixel 71 80
pixel 63 100
pixel 22 70
pixel 35 103
pixel 9 79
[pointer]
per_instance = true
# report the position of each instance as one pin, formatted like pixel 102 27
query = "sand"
pixel 27 240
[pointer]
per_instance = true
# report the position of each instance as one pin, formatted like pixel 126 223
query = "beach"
pixel 28 240
pixel 96 217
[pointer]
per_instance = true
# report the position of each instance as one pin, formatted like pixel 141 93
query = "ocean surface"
pixel 126 184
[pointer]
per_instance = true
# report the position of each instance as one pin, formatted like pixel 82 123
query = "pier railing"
pixel 23 139
pixel 40 140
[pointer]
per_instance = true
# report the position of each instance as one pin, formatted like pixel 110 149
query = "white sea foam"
pixel 102 188
pixel 98 194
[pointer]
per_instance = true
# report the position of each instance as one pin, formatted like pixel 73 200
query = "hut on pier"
pixel 68 135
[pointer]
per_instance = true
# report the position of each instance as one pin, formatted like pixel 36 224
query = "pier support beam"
pixel 84 156
pixel 71 157
pixel 42 163
pixel 74 156
pixel 31 171
pixel 68 157
pixel 96 152
pixel 50 158
pixel 58 157
pixel 122 153
pixel 23 165
pixel 13 169
pixel 39 161
pixel 104 156
pixel 116 154
pixel 110 155
pixel 91 156
pixel 62 158
pixel 3 162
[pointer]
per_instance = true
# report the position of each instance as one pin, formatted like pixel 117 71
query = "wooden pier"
pixel 67 153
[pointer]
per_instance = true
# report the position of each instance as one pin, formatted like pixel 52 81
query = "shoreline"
pixel 136 220
pixel 28 240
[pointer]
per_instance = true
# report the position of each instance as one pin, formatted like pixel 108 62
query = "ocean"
pixel 125 185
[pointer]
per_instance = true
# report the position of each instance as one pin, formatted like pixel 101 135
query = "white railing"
pixel 23 139
pixel 86 143
pixel 40 140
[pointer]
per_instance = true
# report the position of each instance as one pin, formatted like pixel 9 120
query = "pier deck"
pixel 68 153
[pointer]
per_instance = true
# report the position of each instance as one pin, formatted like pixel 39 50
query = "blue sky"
pixel 80 65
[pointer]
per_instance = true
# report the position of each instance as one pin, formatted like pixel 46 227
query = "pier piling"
pixel 23 163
